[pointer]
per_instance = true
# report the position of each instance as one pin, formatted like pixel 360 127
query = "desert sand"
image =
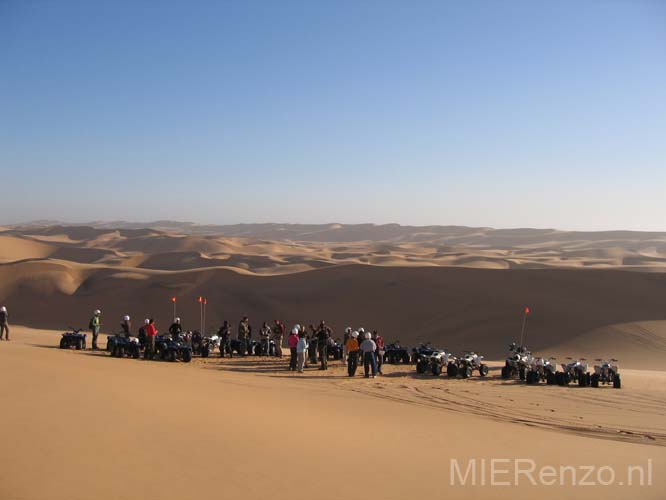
pixel 85 425
pixel 79 425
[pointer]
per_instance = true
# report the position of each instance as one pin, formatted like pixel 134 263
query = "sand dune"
pixel 242 428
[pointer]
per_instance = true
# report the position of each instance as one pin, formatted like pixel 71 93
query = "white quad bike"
pixel 576 371
pixel 540 370
pixel 467 363
pixel 607 373
pixel 517 362
pixel 432 361
pixel 443 359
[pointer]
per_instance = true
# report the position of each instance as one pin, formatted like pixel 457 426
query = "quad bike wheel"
pixel 550 378
pixel 559 378
pixel 506 372
pixel 205 352
pixel 436 369
pixel 451 370
pixel 171 355
pixel 405 359
pixel 421 367
pixel 466 372
pixel 136 354
pixel 483 370
pixel 187 356
pixel 594 380
pixel 521 373
pixel 617 383
pixel 79 345
pixel 532 377
pixel 63 343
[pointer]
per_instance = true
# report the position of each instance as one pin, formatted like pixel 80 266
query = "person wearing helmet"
pixel 346 337
pixel 292 342
pixel 4 323
pixel 151 332
pixel 322 336
pixel 381 350
pixel 278 335
pixel 301 350
pixel 142 333
pixel 369 348
pixel 225 339
pixel 126 326
pixel 265 334
pixel 351 346
pixel 175 330
pixel 244 335
pixel 95 325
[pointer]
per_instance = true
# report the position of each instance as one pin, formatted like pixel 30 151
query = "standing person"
pixel 312 344
pixel 244 335
pixel 225 339
pixel 95 325
pixel 278 335
pixel 352 353
pixel 322 336
pixel 301 349
pixel 368 347
pixel 126 326
pixel 151 332
pixel 379 341
pixel 142 333
pixel 348 332
pixel 175 329
pixel 4 323
pixel 265 334
pixel 292 342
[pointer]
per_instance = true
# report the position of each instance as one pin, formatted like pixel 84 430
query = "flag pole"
pixel 173 299
pixel 203 327
pixel 522 330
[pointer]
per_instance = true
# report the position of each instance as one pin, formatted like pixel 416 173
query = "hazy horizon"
pixel 481 114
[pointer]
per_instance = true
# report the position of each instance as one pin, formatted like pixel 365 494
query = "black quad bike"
pixel 168 349
pixel 120 346
pixel 395 354
pixel 74 339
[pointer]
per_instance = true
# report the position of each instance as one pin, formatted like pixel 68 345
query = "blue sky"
pixel 491 113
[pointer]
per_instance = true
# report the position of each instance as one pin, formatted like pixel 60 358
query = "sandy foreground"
pixel 82 425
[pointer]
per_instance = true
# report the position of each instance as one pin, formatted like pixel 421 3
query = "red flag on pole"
pixel 527 311
pixel 200 299
pixel 205 301
pixel 173 299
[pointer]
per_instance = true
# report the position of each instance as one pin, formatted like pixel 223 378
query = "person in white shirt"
pixel 301 351
pixel 368 348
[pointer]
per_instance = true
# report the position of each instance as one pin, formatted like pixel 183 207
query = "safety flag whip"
pixel 522 331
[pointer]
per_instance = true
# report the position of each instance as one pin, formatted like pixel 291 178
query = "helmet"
pixel 354 334
pixel 146 321
pixel 177 320
pixel 126 318
pixel 348 329
pixel 366 335
pixel 361 330
pixel 297 327
pixel 295 331
pixel 3 309
pixel 97 312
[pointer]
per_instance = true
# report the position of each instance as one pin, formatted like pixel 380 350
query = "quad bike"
pixel 424 359
pixel 467 363
pixel 203 346
pixel 168 349
pixel 74 339
pixel 120 346
pixel 517 362
pixel 606 373
pixel 443 360
pixel 540 370
pixel 574 371
pixel 395 354
pixel 335 350
pixel 421 351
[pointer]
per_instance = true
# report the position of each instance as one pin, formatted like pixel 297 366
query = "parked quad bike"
pixel 120 346
pixel 542 370
pixel 467 364
pixel 517 362
pixel 395 354
pixel 168 349
pixel 606 373
pixel 74 339
pixel 575 371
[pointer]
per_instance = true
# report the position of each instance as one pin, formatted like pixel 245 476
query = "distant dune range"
pixel 461 288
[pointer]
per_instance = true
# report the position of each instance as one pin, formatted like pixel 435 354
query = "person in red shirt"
pixel 151 331
pixel 380 350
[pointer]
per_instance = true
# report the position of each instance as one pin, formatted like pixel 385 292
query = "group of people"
pixel 369 347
